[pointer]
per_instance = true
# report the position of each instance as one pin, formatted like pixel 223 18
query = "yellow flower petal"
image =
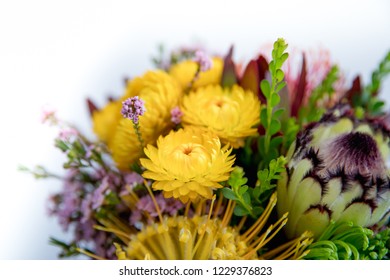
pixel 184 72
pixel 232 114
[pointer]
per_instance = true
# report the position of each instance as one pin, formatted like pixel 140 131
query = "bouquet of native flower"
pixel 203 158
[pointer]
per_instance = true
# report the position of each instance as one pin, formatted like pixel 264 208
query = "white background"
pixel 60 52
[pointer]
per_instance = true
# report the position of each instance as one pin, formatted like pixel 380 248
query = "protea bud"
pixel 336 171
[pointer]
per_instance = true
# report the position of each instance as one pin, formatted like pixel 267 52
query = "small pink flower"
pixel 133 108
pixel 176 115
pixel 48 115
pixel 204 61
pixel 66 133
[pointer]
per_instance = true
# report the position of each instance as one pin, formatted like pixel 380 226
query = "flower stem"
pixel 139 135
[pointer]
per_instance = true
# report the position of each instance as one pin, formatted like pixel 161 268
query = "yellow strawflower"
pixel 160 94
pixel 232 114
pixel 184 72
pixel 188 164
pixel 106 120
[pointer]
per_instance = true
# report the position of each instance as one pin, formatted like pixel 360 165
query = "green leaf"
pixel 276 141
pixel 280 60
pixel 272 67
pixel 280 86
pixel 229 194
pixel 278 113
pixel 279 75
pixel 247 199
pixel 258 211
pixel 240 211
pixel 275 127
pixel 243 190
pixel 265 88
pixel 262 175
pixel 61 145
pixel 256 191
pixel 237 178
pixel 263 117
pixel 274 53
pixel 284 56
pixel 275 99
pixel 378 105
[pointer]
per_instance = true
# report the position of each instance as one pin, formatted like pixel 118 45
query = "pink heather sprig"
pixel 204 64
pixel 66 134
pixel 132 109
pixel 176 115
pixel 204 61
pixel 145 204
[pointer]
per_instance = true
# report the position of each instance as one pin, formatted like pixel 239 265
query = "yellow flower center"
pixel 222 113
pixel 190 157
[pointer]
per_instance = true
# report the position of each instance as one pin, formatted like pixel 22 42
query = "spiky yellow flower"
pixel 106 120
pixel 203 237
pixel 188 164
pixel 232 114
pixel 184 72
pixel 161 94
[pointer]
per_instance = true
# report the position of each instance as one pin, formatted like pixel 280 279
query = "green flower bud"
pixel 336 171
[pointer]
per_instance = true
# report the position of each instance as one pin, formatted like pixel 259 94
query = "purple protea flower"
pixel 133 108
pixel 204 61
pixel 337 172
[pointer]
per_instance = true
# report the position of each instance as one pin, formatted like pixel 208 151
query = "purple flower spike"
pixel 133 108
pixel 205 63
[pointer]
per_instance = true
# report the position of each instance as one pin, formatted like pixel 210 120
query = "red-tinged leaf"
pixel 262 65
pixel 229 75
pixel 356 89
pixel 91 107
pixel 254 73
pixel 250 78
pixel 299 95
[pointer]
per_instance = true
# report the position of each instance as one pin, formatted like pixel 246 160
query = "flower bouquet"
pixel 206 158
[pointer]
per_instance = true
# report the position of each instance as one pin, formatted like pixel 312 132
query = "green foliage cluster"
pixel 313 111
pixel 346 241
pixel 368 100
pixel 270 115
pixel 251 200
